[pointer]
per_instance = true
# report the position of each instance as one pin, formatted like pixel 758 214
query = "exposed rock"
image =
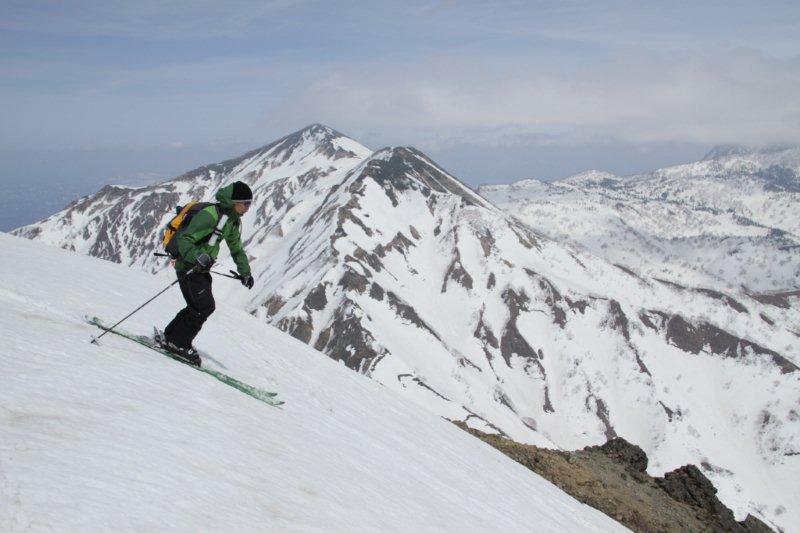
pixel 347 340
pixel 400 243
pixel 601 411
pixel 696 338
pixel 457 273
pixel 423 385
pixel 406 312
pixel 730 302
pixel 617 319
pixel 628 271
pixel 512 342
pixel 580 305
pixel 624 453
pixel 779 299
pixel 316 299
pixel 688 484
pixel 552 297
pixel 376 292
pixel 654 320
pixel 300 328
pixel 524 235
pixel 613 479
pixel 353 281
pixel 487 243
pixel 370 258
pixel 408 168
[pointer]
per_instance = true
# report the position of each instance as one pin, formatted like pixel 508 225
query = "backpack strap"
pixel 217 233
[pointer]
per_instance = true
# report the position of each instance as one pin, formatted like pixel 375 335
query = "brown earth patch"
pixel 612 478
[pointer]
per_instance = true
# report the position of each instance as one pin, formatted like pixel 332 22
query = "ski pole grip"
pixel 235 274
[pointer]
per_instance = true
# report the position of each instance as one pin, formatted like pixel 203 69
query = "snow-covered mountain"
pixel 117 437
pixel 386 262
pixel 731 220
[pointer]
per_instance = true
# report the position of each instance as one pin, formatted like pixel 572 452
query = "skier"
pixel 197 250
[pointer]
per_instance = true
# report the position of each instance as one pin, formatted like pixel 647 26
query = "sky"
pixel 130 92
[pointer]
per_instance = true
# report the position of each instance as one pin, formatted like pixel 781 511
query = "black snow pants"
pixel 196 289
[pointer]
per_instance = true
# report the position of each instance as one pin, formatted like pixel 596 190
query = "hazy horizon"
pixel 96 92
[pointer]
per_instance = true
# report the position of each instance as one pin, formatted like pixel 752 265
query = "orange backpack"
pixel 179 223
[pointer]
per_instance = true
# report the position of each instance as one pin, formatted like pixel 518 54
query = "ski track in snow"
pixel 118 437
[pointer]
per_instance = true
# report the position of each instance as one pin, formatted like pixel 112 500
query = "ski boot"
pixel 188 355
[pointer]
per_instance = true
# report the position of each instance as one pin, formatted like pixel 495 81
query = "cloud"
pixel 739 96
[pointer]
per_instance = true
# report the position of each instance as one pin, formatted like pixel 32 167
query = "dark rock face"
pixel 346 339
pixel 687 484
pixel 406 312
pixel 407 168
pixel 617 319
pixel 353 281
pixel 274 304
pixel 297 327
pixel 781 300
pixel 551 297
pixel 601 410
pixel 316 299
pixel 457 273
pixel 730 302
pixel 376 292
pixel 512 342
pixel 626 453
pixel 628 271
pixel 695 338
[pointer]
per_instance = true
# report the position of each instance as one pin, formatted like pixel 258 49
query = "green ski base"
pixel 259 394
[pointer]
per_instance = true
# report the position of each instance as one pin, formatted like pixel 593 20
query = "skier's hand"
pixel 247 281
pixel 204 261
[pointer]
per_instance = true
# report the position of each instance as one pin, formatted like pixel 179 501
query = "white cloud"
pixel 739 96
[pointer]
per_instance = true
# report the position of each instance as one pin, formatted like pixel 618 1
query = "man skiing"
pixel 198 248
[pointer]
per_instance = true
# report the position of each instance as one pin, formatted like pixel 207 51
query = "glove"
pixel 204 261
pixel 247 281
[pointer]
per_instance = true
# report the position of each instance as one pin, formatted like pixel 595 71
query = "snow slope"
pixel 117 437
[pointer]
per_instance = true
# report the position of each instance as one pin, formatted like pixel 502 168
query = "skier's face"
pixel 241 207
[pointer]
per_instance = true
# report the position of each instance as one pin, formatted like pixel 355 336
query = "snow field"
pixel 118 437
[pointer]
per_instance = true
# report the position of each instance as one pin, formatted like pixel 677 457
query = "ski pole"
pixel 234 276
pixel 95 339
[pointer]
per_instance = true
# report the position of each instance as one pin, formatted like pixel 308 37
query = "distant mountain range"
pixel 389 264
pixel 731 220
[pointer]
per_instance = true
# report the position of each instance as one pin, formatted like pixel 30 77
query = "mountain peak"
pixel 725 150
pixel 404 166
pixel 314 140
pixel 320 130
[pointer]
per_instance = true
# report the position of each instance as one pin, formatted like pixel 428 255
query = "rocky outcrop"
pixel 613 479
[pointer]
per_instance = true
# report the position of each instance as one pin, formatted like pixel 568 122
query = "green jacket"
pixel 194 240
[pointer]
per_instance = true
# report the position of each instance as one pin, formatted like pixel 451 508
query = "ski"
pixel 259 394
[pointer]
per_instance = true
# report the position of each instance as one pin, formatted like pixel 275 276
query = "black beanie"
pixel 241 192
